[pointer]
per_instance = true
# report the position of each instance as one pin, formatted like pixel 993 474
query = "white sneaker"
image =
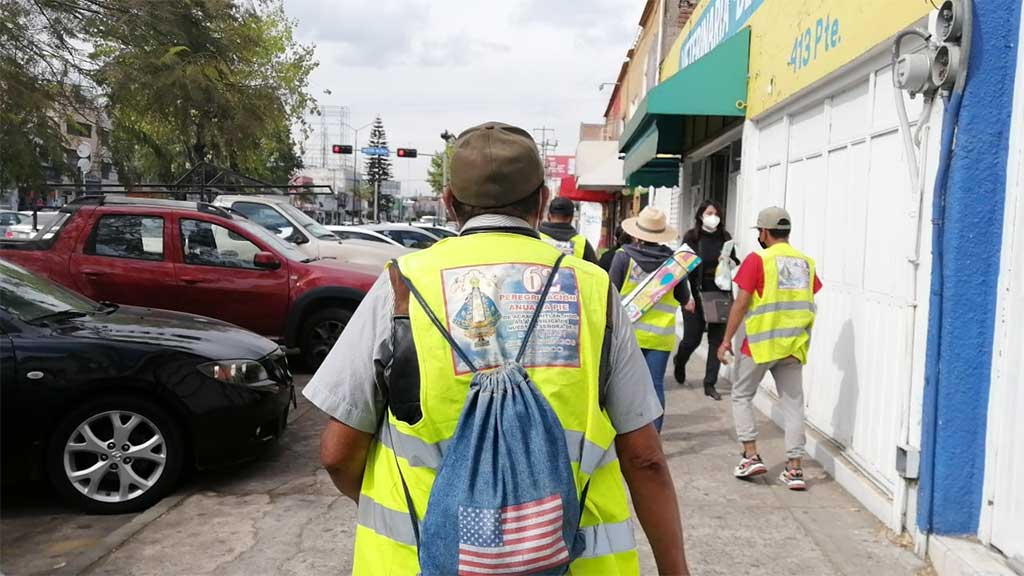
pixel 749 467
pixel 793 479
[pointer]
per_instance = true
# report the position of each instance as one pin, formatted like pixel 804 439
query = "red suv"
pixel 198 258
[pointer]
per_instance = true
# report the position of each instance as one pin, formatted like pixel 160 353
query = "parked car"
pixel 30 225
pixel 294 226
pixel 10 218
pixel 439 231
pixel 197 258
pixel 406 235
pixel 112 402
pixel 358 233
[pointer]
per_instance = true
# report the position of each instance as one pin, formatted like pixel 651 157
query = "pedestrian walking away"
pixel 621 239
pixel 488 397
pixel 558 231
pixel 656 329
pixel 703 312
pixel 776 304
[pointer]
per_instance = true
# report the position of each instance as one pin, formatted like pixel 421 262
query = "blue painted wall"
pixel 956 398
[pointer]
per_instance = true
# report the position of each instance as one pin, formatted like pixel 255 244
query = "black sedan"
pixel 112 403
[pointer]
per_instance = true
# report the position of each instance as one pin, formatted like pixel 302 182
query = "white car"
pixel 360 234
pixel 26 230
pixel 405 235
pixel 439 231
pixel 293 225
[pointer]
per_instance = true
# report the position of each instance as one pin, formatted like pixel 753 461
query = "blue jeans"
pixel 657 363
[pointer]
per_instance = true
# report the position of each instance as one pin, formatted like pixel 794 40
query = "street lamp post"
pixel 355 164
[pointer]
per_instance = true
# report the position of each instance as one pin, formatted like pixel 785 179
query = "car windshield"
pixel 51 230
pixel 312 226
pixel 32 298
pixel 284 248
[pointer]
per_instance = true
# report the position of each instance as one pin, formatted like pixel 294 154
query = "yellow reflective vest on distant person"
pixel 780 319
pixel 575 246
pixel 656 329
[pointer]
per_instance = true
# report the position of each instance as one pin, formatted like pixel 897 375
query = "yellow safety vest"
pixel 656 329
pixel 575 246
pixel 462 275
pixel 779 320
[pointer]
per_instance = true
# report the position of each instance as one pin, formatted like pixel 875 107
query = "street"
pixel 281 515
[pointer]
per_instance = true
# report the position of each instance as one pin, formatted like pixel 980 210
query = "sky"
pixel 428 66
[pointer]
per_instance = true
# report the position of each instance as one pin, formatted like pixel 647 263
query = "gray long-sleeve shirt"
pixel 345 387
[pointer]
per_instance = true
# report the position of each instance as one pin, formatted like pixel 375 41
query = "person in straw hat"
pixel 656 329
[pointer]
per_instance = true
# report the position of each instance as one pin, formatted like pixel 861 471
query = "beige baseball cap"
pixel 774 218
pixel 495 165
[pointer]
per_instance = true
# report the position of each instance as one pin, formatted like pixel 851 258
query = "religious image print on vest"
pixel 488 308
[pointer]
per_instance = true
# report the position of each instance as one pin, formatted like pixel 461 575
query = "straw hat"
pixel 651 226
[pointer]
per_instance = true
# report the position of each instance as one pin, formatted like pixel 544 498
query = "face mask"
pixel 761 242
pixel 711 222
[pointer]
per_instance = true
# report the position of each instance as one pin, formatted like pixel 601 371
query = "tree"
pixel 193 81
pixel 378 168
pixel 435 174
pixel 183 81
pixel 41 76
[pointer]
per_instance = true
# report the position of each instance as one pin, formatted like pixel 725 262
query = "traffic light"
pixel 406 152
pixel 341 149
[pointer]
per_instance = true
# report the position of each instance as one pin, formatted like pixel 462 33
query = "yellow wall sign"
pixel 793 43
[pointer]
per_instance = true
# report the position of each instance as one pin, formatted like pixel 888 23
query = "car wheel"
pixel 116 455
pixel 320 332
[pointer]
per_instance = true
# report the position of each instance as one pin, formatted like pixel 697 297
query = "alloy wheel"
pixel 324 336
pixel 115 456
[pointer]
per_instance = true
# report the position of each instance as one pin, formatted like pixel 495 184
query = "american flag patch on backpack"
pixel 516 539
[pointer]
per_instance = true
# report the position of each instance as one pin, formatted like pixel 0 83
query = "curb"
pixel 83 562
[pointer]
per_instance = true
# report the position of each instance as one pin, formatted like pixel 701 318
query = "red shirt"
pixel 750 277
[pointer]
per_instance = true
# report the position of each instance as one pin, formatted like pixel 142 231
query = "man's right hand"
pixel 690 306
pixel 725 352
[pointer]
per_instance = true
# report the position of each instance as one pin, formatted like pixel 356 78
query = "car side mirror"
pixel 266 261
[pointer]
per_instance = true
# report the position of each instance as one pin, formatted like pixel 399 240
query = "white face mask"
pixel 711 222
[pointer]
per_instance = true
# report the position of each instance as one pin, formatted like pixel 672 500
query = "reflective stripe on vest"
pixel 418 453
pixel 656 329
pixel 574 246
pixel 601 539
pixel 569 385
pixel 780 318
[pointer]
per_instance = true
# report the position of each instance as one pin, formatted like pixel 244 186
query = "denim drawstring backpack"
pixel 504 500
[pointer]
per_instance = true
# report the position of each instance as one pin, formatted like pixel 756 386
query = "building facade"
pixel 910 206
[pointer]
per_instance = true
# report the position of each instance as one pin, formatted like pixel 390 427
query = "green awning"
pixel 714 85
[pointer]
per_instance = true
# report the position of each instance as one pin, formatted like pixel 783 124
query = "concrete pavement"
pixel 282 515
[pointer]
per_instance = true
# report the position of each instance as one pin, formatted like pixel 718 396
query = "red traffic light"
pixel 341 149
pixel 406 152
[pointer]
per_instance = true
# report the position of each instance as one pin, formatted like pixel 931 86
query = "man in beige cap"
pixel 656 329
pixel 395 383
pixel 776 303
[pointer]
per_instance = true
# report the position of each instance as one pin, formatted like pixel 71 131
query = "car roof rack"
pixel 106 199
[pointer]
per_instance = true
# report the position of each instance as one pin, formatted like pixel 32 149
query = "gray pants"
pixel 788 374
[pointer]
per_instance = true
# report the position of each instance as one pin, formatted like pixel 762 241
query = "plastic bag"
pixel 723 272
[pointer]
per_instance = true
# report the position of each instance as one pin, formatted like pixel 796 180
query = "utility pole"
pixel 447 137
pixel 545 144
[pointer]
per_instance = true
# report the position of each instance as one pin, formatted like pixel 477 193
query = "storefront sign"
pixel 793 43
pixel 711 23
pixel 558 167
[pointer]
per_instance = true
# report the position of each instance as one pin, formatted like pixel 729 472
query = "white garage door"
pixel 837 165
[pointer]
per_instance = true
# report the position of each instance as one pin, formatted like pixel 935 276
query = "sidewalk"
pixel 759 527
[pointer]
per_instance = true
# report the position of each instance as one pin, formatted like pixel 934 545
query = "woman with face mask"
pixel 707 238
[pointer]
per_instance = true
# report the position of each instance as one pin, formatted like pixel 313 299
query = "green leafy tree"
pixel 41 76
pixel 435 174
pixel 193 81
